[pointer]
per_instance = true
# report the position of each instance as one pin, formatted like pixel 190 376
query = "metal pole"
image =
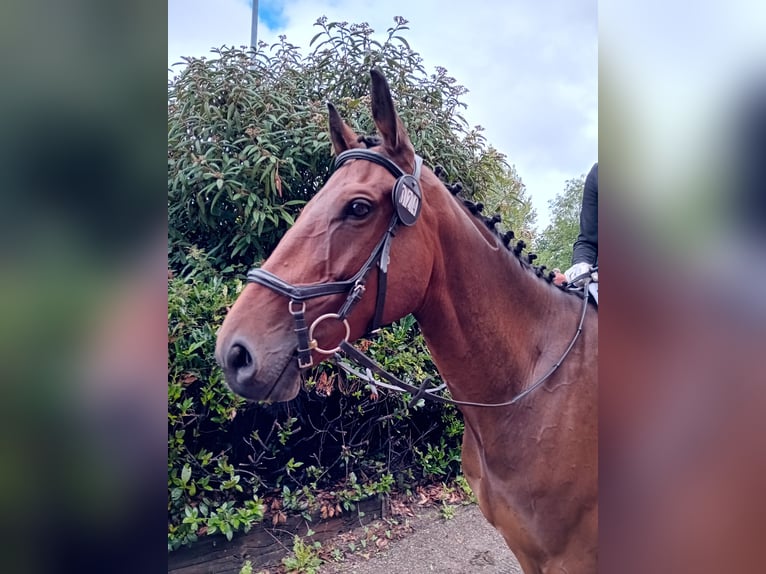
pixel 254 29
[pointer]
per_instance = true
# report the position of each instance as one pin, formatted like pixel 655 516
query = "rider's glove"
pixel 576 271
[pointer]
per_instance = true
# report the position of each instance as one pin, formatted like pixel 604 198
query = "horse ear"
pixel 342 136
pixel 395 137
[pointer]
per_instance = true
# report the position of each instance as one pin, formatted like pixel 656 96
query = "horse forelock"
pixel 370 141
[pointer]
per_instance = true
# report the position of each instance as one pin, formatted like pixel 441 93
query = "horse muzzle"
pixel 275 378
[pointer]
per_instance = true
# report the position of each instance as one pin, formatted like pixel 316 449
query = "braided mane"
pixel 517 248
pixel 476 208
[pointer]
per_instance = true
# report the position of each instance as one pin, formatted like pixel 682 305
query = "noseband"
pixel 407 199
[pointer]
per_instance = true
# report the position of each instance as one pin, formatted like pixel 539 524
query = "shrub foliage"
pixel 247 147
pixel 248 143
pixel 227 459
pixel 554 244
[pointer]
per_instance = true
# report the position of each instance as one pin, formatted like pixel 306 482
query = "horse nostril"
pixel 238 357
pixel 239 365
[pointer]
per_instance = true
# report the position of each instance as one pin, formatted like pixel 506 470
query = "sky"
pixel 531 68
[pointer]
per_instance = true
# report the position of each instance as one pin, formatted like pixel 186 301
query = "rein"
pixel 407 199
pixel 396 384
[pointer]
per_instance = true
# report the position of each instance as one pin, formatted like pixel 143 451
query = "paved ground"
pixel 465 544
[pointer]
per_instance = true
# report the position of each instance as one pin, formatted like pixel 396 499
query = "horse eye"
pixel 359 208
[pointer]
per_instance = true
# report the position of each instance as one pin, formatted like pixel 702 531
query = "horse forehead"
pixel 359 173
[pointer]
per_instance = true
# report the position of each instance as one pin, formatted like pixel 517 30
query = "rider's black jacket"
pixel 586 247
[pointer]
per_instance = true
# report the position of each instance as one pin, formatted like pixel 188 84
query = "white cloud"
pixel 531 67
pixel 196 26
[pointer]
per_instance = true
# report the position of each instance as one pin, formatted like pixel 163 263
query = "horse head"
pixel 340 240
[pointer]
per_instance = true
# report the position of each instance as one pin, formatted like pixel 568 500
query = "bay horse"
pixel 492 325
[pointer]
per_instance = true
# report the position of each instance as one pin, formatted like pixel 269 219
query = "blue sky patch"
pixel 270 14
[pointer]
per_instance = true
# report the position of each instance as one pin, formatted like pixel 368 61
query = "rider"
pixel 585 249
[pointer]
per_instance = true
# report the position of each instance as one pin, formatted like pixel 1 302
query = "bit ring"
pixel 313 343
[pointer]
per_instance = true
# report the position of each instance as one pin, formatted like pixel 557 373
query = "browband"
pixel 381 160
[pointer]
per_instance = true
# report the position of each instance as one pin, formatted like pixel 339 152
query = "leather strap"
pixel 371 156
pixel 296 293
pixel 314 290
pixel 396 384
pixel 380 303
pixel 302 332
pixel 381 160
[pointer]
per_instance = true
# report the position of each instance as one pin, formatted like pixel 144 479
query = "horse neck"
pixel 488 320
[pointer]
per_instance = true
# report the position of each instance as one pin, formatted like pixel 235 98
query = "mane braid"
pixel 475 209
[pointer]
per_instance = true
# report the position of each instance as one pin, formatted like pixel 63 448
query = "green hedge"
pixel 248 140
pixel 227 457
pixel 247 147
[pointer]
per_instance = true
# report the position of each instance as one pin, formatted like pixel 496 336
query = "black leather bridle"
pixel 407 199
